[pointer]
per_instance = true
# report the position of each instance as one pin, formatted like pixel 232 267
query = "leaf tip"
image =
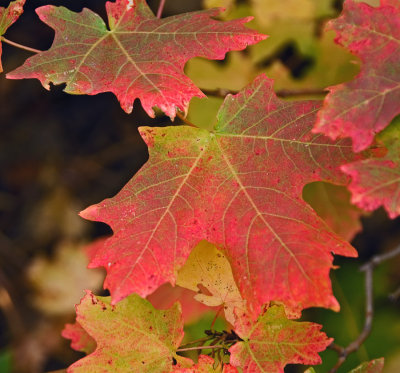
pixel 90 213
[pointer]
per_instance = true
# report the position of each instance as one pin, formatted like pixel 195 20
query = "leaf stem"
pixel 205 339
pixel 216 315
pixel 160 8
pixel 184 120
pixel 20 46
pixel 200 348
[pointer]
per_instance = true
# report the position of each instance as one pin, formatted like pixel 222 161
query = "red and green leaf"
pixel 7 17
pixel 131 336
pixel 275 341
pixel 238 187
pixel 139 56
pixel 366 105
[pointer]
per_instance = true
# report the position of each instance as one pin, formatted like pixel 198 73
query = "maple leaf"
pixel 238 187
pixel 373 366
pixel 275 341
pixel 7 17
pixel 80 339
pixel 131 336
pixel 209 267
pixel 206 365
pixel 376 181
pixel 140 56
pixel 364 106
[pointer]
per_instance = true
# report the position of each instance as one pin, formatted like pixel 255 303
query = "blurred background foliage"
pixel 61 153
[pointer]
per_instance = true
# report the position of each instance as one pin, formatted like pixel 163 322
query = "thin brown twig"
pixel 368 269
pixel 395 295
pixel 20 46
pixel 160 8
pixel 183 119
pixel 284 93
pixel 205 339
pixel 200 348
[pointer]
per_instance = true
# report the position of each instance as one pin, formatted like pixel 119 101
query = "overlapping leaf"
pixel 274 341
pixel 364 106
pixel 7 17
pixel 209 267
pixel 376 181
pixel 140 56
pixel 131 336
pixel 332 203
pixel 238 187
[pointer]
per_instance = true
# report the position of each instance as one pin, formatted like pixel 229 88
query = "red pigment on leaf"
pixel 248 204
pixel 141 56
pixel 366 105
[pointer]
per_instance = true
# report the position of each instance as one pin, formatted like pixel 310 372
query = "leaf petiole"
pixel 160 8
pixel 20 46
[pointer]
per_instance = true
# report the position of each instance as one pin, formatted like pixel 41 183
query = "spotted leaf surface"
pixel 131 336
pixel 138 56
pixel 238 187
pixel 366 105
pixel 275 341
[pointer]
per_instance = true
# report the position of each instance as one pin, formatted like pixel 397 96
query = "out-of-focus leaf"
pixel 374 366
pixel 60 282
pixel 332 203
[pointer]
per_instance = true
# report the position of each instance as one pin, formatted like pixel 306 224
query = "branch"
pixel 284 93
pixel 20 46
pixel 368 269
pixel 160 8
pixel 200 348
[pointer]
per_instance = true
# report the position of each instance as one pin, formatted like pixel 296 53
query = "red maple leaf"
pixel 364 106
pixel 140 56
pixel 376 181
pixel 7 17
pixel 238 187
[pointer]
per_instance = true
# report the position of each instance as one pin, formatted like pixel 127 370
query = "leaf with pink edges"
pixel 139 56
pixel 275 341
pixel 131 336
pixel 7 17
pixel 376 181
pixel 366 105
pixel 80 339
pixel 238 187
